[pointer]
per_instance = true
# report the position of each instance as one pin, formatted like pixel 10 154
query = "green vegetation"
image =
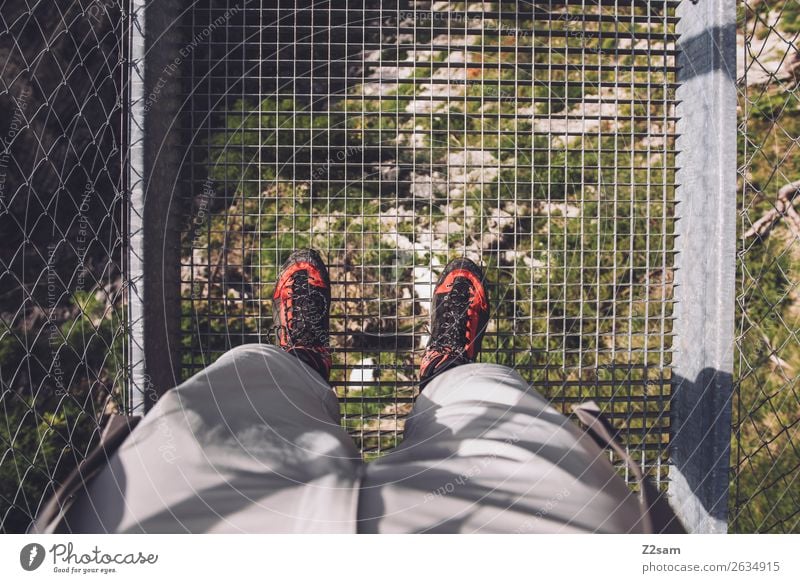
pixel 765 446
pixel 573 224
pixel 48 426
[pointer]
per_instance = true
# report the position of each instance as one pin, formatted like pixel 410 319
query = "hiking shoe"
pixel 460 313
pixel 301 310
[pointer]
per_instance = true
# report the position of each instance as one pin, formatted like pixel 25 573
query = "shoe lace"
pixel 452 312
pixel 308 307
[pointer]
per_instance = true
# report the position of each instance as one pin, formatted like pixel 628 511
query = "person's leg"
pixel 484 452
pixel 250 444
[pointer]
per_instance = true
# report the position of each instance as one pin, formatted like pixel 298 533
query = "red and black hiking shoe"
pixel 301 310
pixel 460 313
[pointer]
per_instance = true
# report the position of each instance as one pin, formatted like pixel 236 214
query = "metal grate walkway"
pixel 536 138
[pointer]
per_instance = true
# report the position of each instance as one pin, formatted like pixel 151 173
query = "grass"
pixel 583 296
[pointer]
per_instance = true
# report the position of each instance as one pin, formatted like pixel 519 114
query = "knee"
pixel 251 348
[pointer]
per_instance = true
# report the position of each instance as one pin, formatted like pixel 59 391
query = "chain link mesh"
pixel 61 240
pixel 765 488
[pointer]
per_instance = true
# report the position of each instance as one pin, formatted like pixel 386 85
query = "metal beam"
pixel 134 266
pixel 153 269
pixel 705 275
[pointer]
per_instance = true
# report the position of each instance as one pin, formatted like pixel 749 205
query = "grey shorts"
pixel 253 444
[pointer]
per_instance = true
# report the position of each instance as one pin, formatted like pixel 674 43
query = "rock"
pixel 364 373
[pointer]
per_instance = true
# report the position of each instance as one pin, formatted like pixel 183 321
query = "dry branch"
pixel 784 207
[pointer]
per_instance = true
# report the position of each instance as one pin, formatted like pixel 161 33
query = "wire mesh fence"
pixel 534 137
pixel 765 488
pixel 61 240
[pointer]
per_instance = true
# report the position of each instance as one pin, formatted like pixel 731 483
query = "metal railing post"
pixel 705 275
pixel 154 239
pixel 137 378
